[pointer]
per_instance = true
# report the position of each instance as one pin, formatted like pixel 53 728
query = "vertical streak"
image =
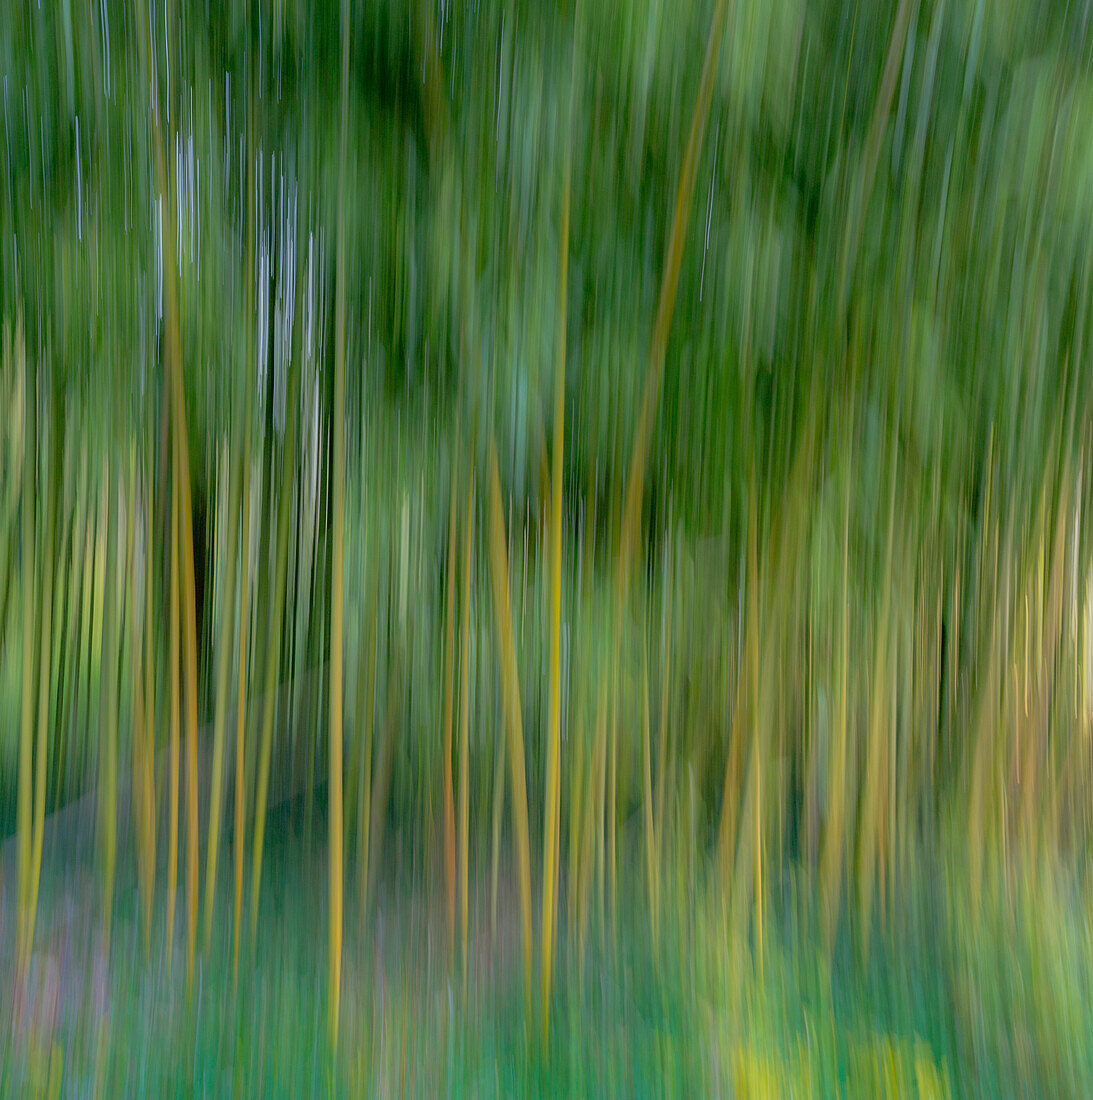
pixel 449 662
pixel 175 721
pixel 464 729
pixel 337 572
pixel 550 844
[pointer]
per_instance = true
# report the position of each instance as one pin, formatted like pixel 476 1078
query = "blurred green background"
pixel 744 345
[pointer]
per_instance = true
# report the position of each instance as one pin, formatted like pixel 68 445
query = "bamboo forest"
pixel 546 548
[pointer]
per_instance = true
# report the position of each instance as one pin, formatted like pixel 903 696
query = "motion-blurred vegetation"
pixel 607 485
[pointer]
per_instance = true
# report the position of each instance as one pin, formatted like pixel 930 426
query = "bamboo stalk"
pixel 190 668
pixel 45 662
pixel 108 702
pixel 229 558
pixel 554 703
pixel 878 740
pixel 666 301
pixel 181 464
pixel 275 624
pixel 647 796
pixel 240 817
pixel 174 732
pixel 662 744
pixel 496 814
pixel 834 827
pixel 449 662
pixel 577 783
pixel 147 777
pixel 135 625
pixel 337 575
pixel 464 729
pixel 241 707
pixel 499 575
pixel 592 855
pixel 364 824
pixel 24 805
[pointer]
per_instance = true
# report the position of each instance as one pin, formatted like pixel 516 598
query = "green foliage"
pixel 866 491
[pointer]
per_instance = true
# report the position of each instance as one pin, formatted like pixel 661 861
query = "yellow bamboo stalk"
pixel 181 463
pixel 878 743
pixel 634 491
pixel 499 575
pixel 240 822
pixel 173 734
pixel 364 823
pixel 1048 828
pixel 869 822
pixel 881 109
pixel 554 709
pixel 24 819
pixel 136 656
pixel 147 777
pixel 189 625
pixel 241 711
pixel 464 730
pixel 666 301
pixel 834 827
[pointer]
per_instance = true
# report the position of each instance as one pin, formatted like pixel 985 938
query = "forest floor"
pixel 942 1007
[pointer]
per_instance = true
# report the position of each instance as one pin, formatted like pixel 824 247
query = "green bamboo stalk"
pixel 275 623
pixel 108 703
pixel 647 796
pixel 449 662
pixel 592 847
pixel 337 575
pixel 229 558
pixel 662 742
pixel 464 728
pixel 577 782
pixel 45 661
